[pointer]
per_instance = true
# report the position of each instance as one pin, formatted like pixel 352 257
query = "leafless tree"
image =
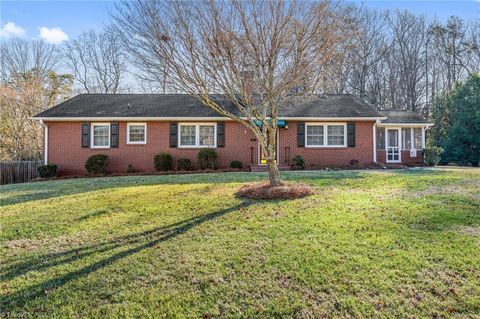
pixel 234 48
pixel 29 85
pixel 369 48
pixel 449 40
pixel 97 61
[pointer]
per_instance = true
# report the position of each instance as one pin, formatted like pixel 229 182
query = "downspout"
pixel 375 140
pixel 45 142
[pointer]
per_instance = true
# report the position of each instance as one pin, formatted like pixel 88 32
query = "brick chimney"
pixel 248 84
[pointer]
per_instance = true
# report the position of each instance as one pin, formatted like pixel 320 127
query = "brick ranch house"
pixel 326 130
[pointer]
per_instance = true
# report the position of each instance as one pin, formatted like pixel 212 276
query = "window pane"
pixel 335 135
pixel 101 135
pixel 187 135
pixel 381 139
pixel 207 135
pixel 137 133
pixel 406 138
pixel 315 135
pixel 417 135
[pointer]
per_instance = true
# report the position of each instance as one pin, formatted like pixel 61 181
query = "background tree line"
pixel 393 60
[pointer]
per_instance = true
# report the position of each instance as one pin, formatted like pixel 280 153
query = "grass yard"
pixel 390 244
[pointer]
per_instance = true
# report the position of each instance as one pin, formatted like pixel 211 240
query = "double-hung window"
pixel 100 135
pixel 136 133
pixel 197 135
pixel 325 135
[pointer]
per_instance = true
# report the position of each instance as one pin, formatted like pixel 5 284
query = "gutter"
pixel 118 118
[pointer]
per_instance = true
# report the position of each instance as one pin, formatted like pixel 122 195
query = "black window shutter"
pixel 351 134
pixel 221 134
pixel 113 134
pixel 85 135
pixel 173 134
pixel 301 134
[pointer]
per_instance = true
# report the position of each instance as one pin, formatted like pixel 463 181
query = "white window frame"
pixel 197 134
pixel 92 137
pixel 325 134
pixel 412 138
pixel 128 133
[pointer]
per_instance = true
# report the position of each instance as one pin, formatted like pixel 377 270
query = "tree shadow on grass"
pixel 49 189
pixel 142 240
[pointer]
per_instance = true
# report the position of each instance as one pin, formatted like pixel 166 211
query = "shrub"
pixel 207 158
pixel 236 164
pixel 298 162
pixel 354 162
pixel 131 169
pixel 433 154
pixel 184 164
pixel 97 164
pixel 163 162
pixel 47 171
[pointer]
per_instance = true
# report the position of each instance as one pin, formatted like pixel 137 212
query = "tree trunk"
pixel 273 173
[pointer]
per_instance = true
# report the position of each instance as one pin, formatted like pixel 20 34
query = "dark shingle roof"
pixel 182 105
pixel 402 116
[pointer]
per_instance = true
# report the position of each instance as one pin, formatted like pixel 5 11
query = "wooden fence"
pixel 18 171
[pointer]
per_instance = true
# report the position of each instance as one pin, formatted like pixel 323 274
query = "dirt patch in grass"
pixel 469 230
pixel 284 191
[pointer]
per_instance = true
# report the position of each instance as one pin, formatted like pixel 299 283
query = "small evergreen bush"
pixel 207 159
pixel 184 164
pixel 97 164
pixel 298 163
pixel 163 162
pixel 236 164
pixel 432 155
pixel 47 171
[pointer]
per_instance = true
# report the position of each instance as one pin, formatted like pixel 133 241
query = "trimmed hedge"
pixel 163 162
pixel 97 164
pixel 47 171
pixel 207 158
pixel 236 164
pixel 184 164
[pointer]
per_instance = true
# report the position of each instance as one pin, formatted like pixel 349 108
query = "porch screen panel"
pixel 417 136
pixel 406 138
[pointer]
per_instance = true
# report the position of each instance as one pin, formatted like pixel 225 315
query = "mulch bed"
pixel 284 191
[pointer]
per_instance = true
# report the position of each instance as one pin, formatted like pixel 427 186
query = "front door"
pixel 393 146
pixel 262 158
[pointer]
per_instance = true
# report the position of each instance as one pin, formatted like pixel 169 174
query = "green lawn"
pixel 392 244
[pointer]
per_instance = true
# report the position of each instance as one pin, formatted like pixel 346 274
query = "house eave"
pixel 405 124
pixel 219 118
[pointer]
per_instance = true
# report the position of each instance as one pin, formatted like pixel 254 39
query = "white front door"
pixel 394 146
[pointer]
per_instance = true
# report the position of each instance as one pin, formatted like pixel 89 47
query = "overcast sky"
pixel 57 21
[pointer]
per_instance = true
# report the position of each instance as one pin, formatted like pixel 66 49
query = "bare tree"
pixel 370 47
pixel 449 42
pixel 29 85
pixel 97 61
pixel 234 48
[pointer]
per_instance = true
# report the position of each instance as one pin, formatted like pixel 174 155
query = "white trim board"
pixel 197 119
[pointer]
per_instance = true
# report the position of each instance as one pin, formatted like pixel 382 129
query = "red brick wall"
pixel 64 148
pixel 319 157
pixel 406 159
